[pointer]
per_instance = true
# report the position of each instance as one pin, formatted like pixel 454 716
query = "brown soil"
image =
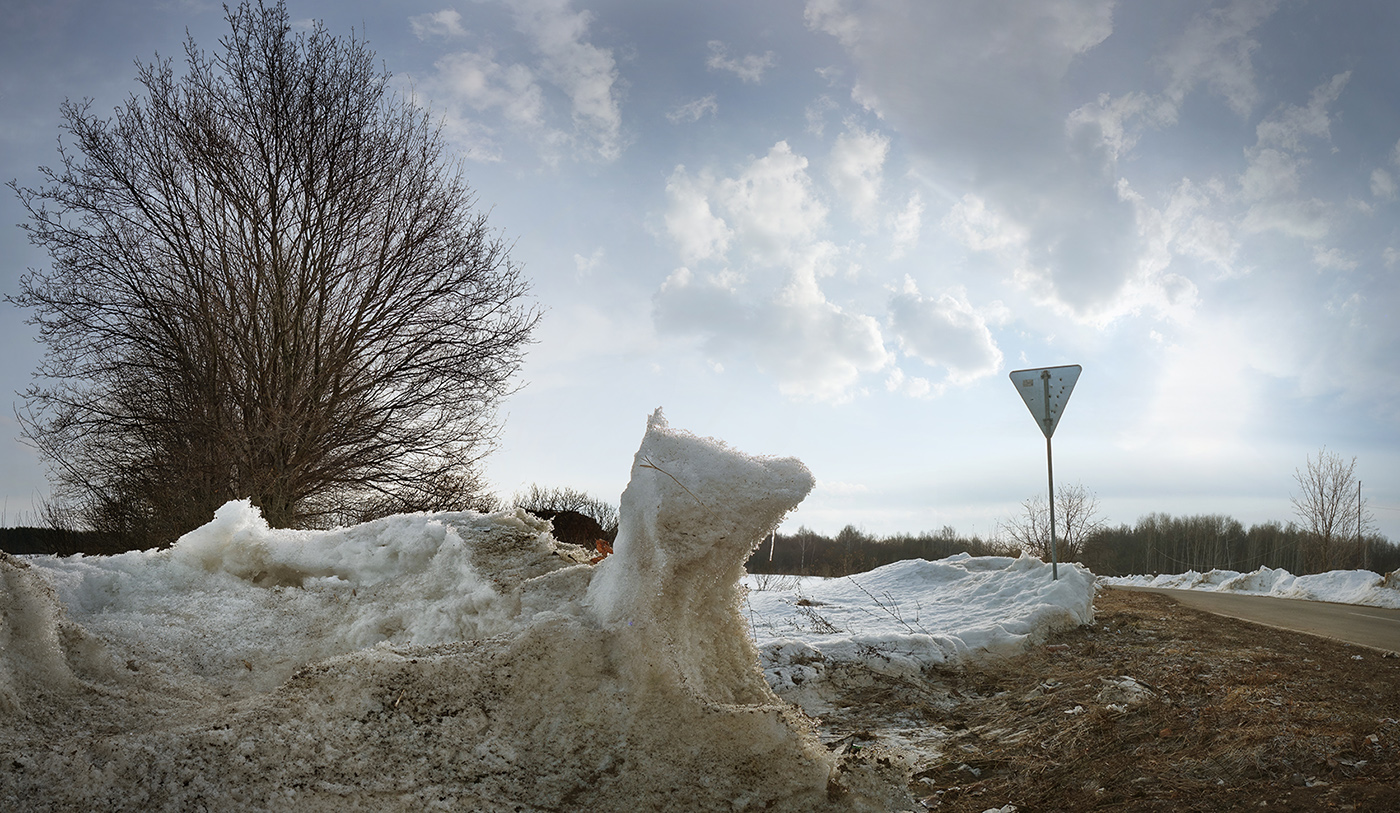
pixel 1221 715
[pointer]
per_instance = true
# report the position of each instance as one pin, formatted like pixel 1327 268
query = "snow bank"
pixel 905 617
pixel 1340 586
pixel 444 661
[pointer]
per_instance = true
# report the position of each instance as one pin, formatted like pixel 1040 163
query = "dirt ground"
pixel 1154 707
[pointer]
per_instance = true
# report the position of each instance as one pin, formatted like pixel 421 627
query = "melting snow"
pixel 1339 586
pixel 904 617
pixel 444 661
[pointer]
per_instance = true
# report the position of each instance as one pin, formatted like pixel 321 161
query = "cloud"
pixel 1290 125
pixel 905 226
pixel 976 89
pixel 945 332
pixel 1272 182
pixel 754 249
pixel 484 84
pixel 855 170
pixel 1382 184
pixel 813 348
pixel 445 23
pixel 772 204
pixel 1332 259
pixel 586 73
pixel 1192 229
pixel 1106 124
pixel 815 114
pixel 693 111
pixel 698 232
pixel 587 265
pixel 476 81
pixel 565 65
pixel 965 72
pixel 983 228
pixel 749 68
pixel 1217 50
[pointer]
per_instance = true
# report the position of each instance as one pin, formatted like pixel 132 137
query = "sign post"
pixel 1045 391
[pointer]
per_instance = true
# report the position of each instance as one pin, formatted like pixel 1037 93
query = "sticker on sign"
pixel 1045 391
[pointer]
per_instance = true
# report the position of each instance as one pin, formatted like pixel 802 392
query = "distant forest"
pixel 1157 543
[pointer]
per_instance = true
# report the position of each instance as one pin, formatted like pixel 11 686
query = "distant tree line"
pixel 808 553
pixel 59 541
pixel 1157 543
pixel 1160 543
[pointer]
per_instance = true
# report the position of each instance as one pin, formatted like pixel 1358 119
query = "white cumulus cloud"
pixel 699 234
pixel 773 205
pixel 526 94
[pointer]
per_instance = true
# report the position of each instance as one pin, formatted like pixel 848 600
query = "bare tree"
pixel 539 498
pixel 1329 510
pixel 1076 518
pixel 267 282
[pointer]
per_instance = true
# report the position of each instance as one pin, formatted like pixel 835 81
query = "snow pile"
pixel 1339 586
pixel 904 617
pixel 445 661
pixel 235 607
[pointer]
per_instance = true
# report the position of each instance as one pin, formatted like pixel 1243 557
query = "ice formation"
pixel 445 661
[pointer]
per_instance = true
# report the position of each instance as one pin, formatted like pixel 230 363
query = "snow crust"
pixel 905 617
pixel 443 661
pixel 1339 586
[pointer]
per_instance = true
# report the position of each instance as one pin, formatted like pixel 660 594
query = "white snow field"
pixel 1338 586
pixel 904 617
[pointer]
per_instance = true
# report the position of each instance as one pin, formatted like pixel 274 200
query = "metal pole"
pixel 1050 470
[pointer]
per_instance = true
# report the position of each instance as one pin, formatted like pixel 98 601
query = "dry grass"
pixel 1220 715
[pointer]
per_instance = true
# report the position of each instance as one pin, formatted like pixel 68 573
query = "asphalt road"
pixel 1373 627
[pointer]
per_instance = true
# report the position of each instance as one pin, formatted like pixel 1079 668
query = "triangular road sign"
pixel 1045 391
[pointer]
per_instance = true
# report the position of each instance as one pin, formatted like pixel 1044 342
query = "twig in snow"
pixel 891 609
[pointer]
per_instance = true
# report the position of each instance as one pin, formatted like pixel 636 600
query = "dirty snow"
pixel 1339 586
pixel 444 661
pixel 470 661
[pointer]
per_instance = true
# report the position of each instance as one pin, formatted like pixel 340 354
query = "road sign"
pixel 1045 391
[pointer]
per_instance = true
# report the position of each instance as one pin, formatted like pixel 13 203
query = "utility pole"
pixel 1365 552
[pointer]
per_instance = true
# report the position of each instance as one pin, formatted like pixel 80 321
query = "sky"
pixel 830 229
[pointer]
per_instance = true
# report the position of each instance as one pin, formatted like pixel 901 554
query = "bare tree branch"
pixel 1328 511
pixel 1076 519
pixel 268 281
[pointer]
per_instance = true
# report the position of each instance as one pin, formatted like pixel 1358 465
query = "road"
pixel 1373 627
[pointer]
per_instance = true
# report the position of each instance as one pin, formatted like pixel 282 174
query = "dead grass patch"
pixel 1155 707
